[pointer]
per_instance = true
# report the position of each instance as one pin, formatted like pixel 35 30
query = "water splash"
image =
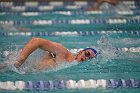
pixel 106 51
pixel 119 7
pixel 10 60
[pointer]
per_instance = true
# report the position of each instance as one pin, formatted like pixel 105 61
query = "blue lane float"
pixel 70 84
pixel 45 85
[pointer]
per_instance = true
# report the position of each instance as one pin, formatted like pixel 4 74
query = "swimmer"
pixel 98 3
pixel 22 29
pixel 55 54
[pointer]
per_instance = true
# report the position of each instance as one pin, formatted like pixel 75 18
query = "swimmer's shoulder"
pixel 69 56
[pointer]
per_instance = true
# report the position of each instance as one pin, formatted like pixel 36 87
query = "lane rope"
pixel 71 13
pixel 46 6
pixel 73 21
pixel 69 84
pixel 70 33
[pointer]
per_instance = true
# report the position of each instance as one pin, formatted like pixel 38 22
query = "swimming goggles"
pixel 87 54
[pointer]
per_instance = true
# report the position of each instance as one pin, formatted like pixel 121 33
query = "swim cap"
pixel 94 51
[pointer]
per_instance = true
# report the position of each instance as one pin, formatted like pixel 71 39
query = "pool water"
pixel 110 63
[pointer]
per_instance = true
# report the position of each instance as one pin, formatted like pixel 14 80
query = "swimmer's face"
pixel 85 55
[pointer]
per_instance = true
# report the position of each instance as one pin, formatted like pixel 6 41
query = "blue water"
pixel 107 65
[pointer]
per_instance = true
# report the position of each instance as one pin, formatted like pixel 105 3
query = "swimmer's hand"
pixel 17 64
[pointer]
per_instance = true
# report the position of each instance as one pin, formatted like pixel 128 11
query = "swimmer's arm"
pixel 100 2
pixel 36 43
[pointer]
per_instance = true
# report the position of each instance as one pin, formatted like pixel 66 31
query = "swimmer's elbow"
pixel 38 42
pixel 35 41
